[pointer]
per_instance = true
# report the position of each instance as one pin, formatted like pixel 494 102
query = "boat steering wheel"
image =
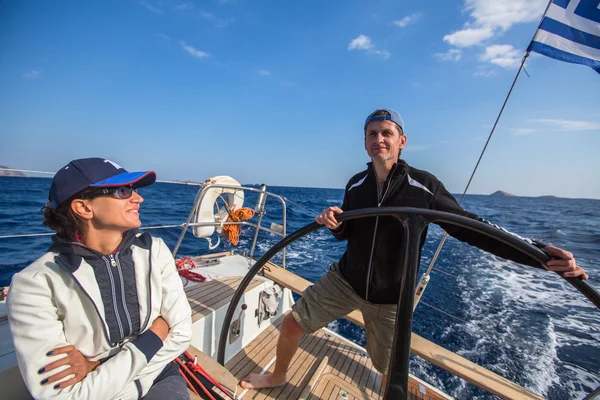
pixel 413 221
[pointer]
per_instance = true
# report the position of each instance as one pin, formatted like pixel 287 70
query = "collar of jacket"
pixel 74 252
pixel 400 168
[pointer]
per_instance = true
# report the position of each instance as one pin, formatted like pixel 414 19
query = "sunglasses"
pixel 120 192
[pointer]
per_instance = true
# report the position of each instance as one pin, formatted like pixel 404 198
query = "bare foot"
pixel 258 381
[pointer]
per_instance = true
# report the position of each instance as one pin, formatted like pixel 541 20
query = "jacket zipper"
pixel 114 294
pixel 149 284
pixel 123 293
pixel 370 270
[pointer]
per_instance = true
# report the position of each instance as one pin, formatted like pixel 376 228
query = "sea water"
pixel 525 324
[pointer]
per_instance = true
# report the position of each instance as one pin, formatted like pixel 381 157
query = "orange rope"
pixel 232 232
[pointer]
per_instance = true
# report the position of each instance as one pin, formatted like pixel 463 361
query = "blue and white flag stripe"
pixel 570 31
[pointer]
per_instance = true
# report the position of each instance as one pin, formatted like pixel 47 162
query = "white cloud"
pixel 218 22
pixel 468 37
pixel 566 125
pixel 407 20
pixel 150 7
pixel 563 125
pixel 193 51
pixel 490 17
pixel 504 14
pixel 503 55
pixel 207 15
pixel 382 53
pixel 523 131
pixel 486 73
pixel 410 148
pixel 364 43
pixel 184 6
pixel 274 78
pixel 450 55
pixel 33 74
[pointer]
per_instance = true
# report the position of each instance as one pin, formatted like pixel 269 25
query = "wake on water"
pixel 513 320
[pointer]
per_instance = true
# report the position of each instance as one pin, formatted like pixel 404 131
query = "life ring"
pixel 205 210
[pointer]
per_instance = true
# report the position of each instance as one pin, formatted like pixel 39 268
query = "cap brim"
pixel 140 179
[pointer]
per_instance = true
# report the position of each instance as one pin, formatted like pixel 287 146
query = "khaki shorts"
pixel 331 298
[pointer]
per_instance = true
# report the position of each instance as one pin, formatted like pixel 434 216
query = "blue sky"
pixel 276 91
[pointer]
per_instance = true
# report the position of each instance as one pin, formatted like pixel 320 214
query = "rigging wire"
pixel 445 236
pixel 521 67
pixel 312 213
pixel 425 279
pixel 52 233
pixel 445 273
pixel 445 313
pixel 54 173
pixel 26 170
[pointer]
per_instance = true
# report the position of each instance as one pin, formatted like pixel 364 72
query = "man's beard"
pixel 383 158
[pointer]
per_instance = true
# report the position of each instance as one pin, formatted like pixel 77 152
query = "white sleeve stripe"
pixel 358 183
pixel 530 241
pixel 414 183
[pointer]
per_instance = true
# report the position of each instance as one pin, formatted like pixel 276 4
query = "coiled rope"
pixel 232 232
pixel 184 265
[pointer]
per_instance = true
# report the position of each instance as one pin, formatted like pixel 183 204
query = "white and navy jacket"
pixel 104 306
pixel 371 261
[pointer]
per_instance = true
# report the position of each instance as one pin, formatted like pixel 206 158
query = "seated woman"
pixel 103 313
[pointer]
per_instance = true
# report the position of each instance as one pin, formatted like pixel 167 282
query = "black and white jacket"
pixel 371 261
pixel 104 306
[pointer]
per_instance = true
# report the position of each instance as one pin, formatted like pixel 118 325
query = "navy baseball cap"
pixel 93 172
pixel 393 116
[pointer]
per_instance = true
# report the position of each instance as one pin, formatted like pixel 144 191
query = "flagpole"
pixel 425 278
pixel 505 100
pixel 538 28
pixel 592 294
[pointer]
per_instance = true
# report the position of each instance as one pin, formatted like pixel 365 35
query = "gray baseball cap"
pixel 393 116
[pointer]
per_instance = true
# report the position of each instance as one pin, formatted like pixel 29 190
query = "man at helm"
pixel 366 278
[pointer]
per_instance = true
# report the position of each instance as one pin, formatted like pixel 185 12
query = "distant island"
pixel 501 193
pixel 10 173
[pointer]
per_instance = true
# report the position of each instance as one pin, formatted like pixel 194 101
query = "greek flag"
pixel 570 31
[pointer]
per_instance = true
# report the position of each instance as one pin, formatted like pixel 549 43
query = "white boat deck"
pixel 205 298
